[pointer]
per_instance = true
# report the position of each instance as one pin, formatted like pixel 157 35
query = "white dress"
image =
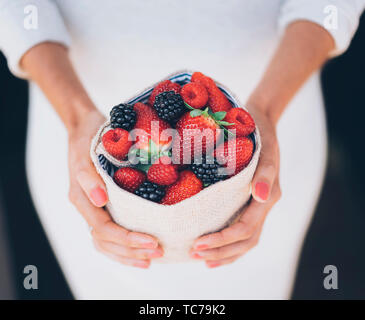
pixel 120 47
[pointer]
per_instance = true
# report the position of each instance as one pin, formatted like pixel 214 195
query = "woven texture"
pixel 177 226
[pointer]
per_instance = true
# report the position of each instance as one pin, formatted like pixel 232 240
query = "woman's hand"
pixel 88 194
pixel 49 66
pixel 228 245
pixel 304 47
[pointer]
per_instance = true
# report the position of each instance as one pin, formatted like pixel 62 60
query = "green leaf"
pixel 189 107
pixel 196 112
pixel 225 123
pixel 219 115
pixel 143 167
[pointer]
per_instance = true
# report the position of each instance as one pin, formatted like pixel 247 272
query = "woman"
pixel 86 56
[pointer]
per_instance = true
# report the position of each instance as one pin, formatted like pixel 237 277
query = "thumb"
pixel 266 173
pixel 93 186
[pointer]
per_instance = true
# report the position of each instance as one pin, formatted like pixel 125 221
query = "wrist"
pixel 79 109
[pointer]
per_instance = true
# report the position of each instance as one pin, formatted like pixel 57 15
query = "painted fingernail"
pixel 196 255
pixel 98 197
pixel 213 264
pixel 141 264
pixel 156 254
pixel 201 247
pixel 262 190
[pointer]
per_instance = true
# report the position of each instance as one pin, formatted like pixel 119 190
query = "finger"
pixel 267 168
pixel 103 226
pixel 92 184
pixel 119 250
pixel 144 264
pixel 218 263
pixel 234 249
pixel 243 229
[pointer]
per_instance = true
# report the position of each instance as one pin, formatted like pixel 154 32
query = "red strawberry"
pixel 163 172
pixel 150 127
pixel 185 187
pixel 235 154
pixel 197 134
pixel 243 122
pixel 163 86
pixel 129 178
pixel 217 101
pixel 116 143
pixel 195 95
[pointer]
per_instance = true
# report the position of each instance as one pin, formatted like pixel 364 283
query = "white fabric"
pixel 17 35
pixel 119 47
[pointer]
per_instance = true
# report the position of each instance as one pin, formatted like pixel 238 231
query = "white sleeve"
pixel 24 24
pixel 339 17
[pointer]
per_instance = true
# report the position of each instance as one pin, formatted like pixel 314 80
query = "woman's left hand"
pixel 229 244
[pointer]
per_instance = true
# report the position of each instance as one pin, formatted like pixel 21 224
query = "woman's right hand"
pixel 88 194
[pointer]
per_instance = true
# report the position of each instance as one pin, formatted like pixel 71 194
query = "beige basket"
pixel 177 226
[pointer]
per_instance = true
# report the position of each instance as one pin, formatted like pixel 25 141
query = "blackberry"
pixel 208 171
pixel 123 116
pixel 106 165
pixel 169 106
pixel 150 191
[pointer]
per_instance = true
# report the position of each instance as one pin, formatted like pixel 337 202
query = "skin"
pixel 303 49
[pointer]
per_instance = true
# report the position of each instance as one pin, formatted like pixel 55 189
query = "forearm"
pixel 49 66
pixel 303 49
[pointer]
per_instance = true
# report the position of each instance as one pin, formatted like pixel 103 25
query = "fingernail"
pixel 201 246
pixel 141 264
pixel 213 264
pixel 196 255
pixel 98 197
pixel 156 254
pixel 262 190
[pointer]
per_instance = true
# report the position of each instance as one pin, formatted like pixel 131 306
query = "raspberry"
pixel 217 101
pixel 243 122
pixel 129 178
pixel 195 95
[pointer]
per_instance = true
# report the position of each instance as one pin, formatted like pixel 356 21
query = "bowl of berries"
pixel 177 160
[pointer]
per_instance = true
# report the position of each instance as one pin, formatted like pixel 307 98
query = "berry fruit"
pixel 150 191
pixel 163 86
pixel 163 172
pixel 123 116
pixel 151 128
pixel 209 171
pixel 169 106
pixel 243 122
pixel 129 178
pixel 197 134
pixel 217 101
pixel 195 95
pixel 235 154
pixel 117 143
pixel 185 187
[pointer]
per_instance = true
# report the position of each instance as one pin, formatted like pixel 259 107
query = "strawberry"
pixel 217 101
pixel 235 154
pixel 197 134
pixel 116 143
pixel 243 122
pixel 195 95
pixel 150 128
pixel 129 178
pixel 163 86
pixel 163 172
pixel 185 187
